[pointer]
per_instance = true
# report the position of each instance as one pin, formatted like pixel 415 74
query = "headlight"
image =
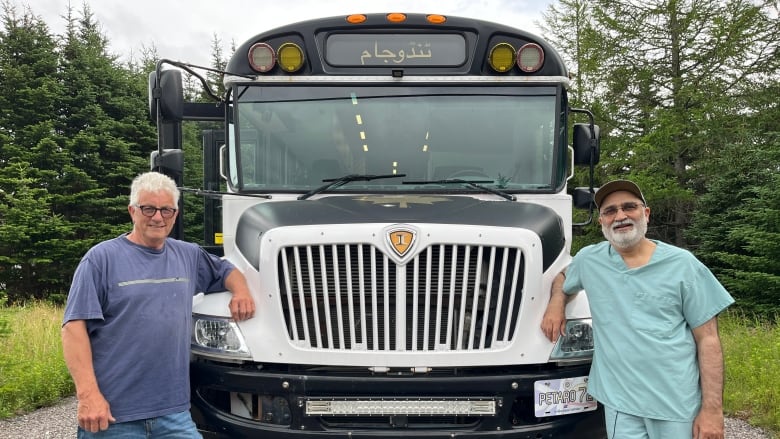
pixel 218 337
pixel 577 343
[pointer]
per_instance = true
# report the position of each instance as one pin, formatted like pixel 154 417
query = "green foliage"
pixel 751 348
pixel 653 73
pixel 738 225
pixel 32 370
pixel 76 135
pixel 685 94
pixel 32 237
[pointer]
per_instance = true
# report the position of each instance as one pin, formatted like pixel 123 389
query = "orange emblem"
pixel 401 240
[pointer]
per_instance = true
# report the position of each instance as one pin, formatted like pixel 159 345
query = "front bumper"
pixel 512 388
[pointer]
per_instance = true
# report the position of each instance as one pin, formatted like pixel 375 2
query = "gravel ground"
pixel 59 422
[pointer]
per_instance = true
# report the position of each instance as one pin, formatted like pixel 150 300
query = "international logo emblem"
pixel 401 240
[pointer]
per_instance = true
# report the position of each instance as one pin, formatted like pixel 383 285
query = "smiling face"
pixel 152 231
pixel 623 219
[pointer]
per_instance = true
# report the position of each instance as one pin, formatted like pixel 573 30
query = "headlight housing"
pixel 577 343
pixel 218 337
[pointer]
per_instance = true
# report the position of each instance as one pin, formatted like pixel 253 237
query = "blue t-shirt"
pixel 137 303
pixel 645 361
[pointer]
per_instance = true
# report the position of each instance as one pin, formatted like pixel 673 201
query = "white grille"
pixel 447 298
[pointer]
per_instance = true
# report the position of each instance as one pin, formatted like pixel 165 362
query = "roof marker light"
pixel 290 57
pixel 396 17
pixel 356 18
pixel 502 57
pixel 262 57
pixel 530 58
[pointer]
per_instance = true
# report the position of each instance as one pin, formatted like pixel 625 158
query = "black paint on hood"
pixel 406 209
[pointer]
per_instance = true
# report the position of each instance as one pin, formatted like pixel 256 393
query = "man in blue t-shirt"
pixel 658 363
pixel 127 323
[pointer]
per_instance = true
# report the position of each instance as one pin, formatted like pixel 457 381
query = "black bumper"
pixel 512 387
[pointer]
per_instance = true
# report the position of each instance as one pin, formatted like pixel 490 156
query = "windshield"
pixel 293 137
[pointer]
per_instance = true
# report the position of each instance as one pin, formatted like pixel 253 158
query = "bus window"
pixel 307 134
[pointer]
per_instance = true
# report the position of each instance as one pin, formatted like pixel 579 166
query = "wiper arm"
pixel 477 184
pixel 332 183
pixel 219 194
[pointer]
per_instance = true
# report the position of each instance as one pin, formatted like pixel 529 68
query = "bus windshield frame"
pixel 292 137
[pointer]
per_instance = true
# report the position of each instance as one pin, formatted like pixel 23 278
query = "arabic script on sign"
pixel 418 50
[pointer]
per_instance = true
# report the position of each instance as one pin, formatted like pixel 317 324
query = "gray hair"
pixel 153 182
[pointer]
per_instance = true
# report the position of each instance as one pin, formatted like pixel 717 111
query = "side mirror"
pixel 170 162
pixel 585 144
pixel 582 198
pixel 169 93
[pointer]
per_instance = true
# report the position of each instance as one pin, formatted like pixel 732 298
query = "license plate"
pixel 562 397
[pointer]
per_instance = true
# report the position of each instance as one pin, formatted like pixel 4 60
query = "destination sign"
pixel 387 50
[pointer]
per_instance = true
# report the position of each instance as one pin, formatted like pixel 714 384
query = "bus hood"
pixel 405 209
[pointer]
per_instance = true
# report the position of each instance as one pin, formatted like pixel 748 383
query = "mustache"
pixel 624 222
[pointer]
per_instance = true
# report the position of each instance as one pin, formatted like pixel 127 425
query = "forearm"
pixel 711 369
pixel 557 296
pixel 710 356
pixel 709 421
pixel 94 412
pixel 235 282
pixel 554 319
pixel 77 351
pixel 242 305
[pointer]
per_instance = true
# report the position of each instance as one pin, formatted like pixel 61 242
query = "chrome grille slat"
pixel 313 291
pixel 326 299
pixel 488 293
pixel 353 297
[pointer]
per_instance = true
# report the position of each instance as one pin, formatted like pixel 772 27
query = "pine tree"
pixel 668 81
pixel 109 135
pixel 33 235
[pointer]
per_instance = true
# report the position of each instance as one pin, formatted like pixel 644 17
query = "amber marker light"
pixel 290 57
pixel 436 19
pixel 396 17
pixel 356 18
pixel 502 57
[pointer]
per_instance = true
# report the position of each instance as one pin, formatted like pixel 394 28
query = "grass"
pixel 752 355
pixel 33 372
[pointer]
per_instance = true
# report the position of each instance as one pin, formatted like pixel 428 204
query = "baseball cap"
pixel 617 185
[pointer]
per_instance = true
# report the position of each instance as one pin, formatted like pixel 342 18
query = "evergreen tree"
pixel 29 89
pixel 33 236
pixel 738 224
pixel 33 239
pixel 669 82
pixel 74 135
pixel 109 136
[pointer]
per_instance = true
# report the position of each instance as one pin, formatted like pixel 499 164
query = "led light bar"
pixel 400 407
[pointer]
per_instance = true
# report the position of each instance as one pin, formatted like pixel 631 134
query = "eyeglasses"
pixel 627 208
pixel 150 211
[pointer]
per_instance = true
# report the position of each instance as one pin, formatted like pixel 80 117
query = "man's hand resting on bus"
pixel 241 305
pixel 554 320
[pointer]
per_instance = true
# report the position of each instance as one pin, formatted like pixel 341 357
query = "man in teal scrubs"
pixel 658 364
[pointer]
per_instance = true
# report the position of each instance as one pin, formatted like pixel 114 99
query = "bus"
pixel 394 188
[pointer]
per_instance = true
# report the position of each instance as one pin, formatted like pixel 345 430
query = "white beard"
pixel 628 239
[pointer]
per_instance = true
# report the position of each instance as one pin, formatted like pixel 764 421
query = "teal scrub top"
pixel 645 360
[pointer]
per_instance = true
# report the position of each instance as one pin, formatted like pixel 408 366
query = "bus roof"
pixel 378 46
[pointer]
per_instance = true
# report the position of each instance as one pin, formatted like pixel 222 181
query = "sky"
pixel 183 30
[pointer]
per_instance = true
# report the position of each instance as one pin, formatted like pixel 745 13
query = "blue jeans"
pixel 174 426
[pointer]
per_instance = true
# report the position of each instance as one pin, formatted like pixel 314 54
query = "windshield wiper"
pixel 219 194
pixel 336 182
pixel 477 184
